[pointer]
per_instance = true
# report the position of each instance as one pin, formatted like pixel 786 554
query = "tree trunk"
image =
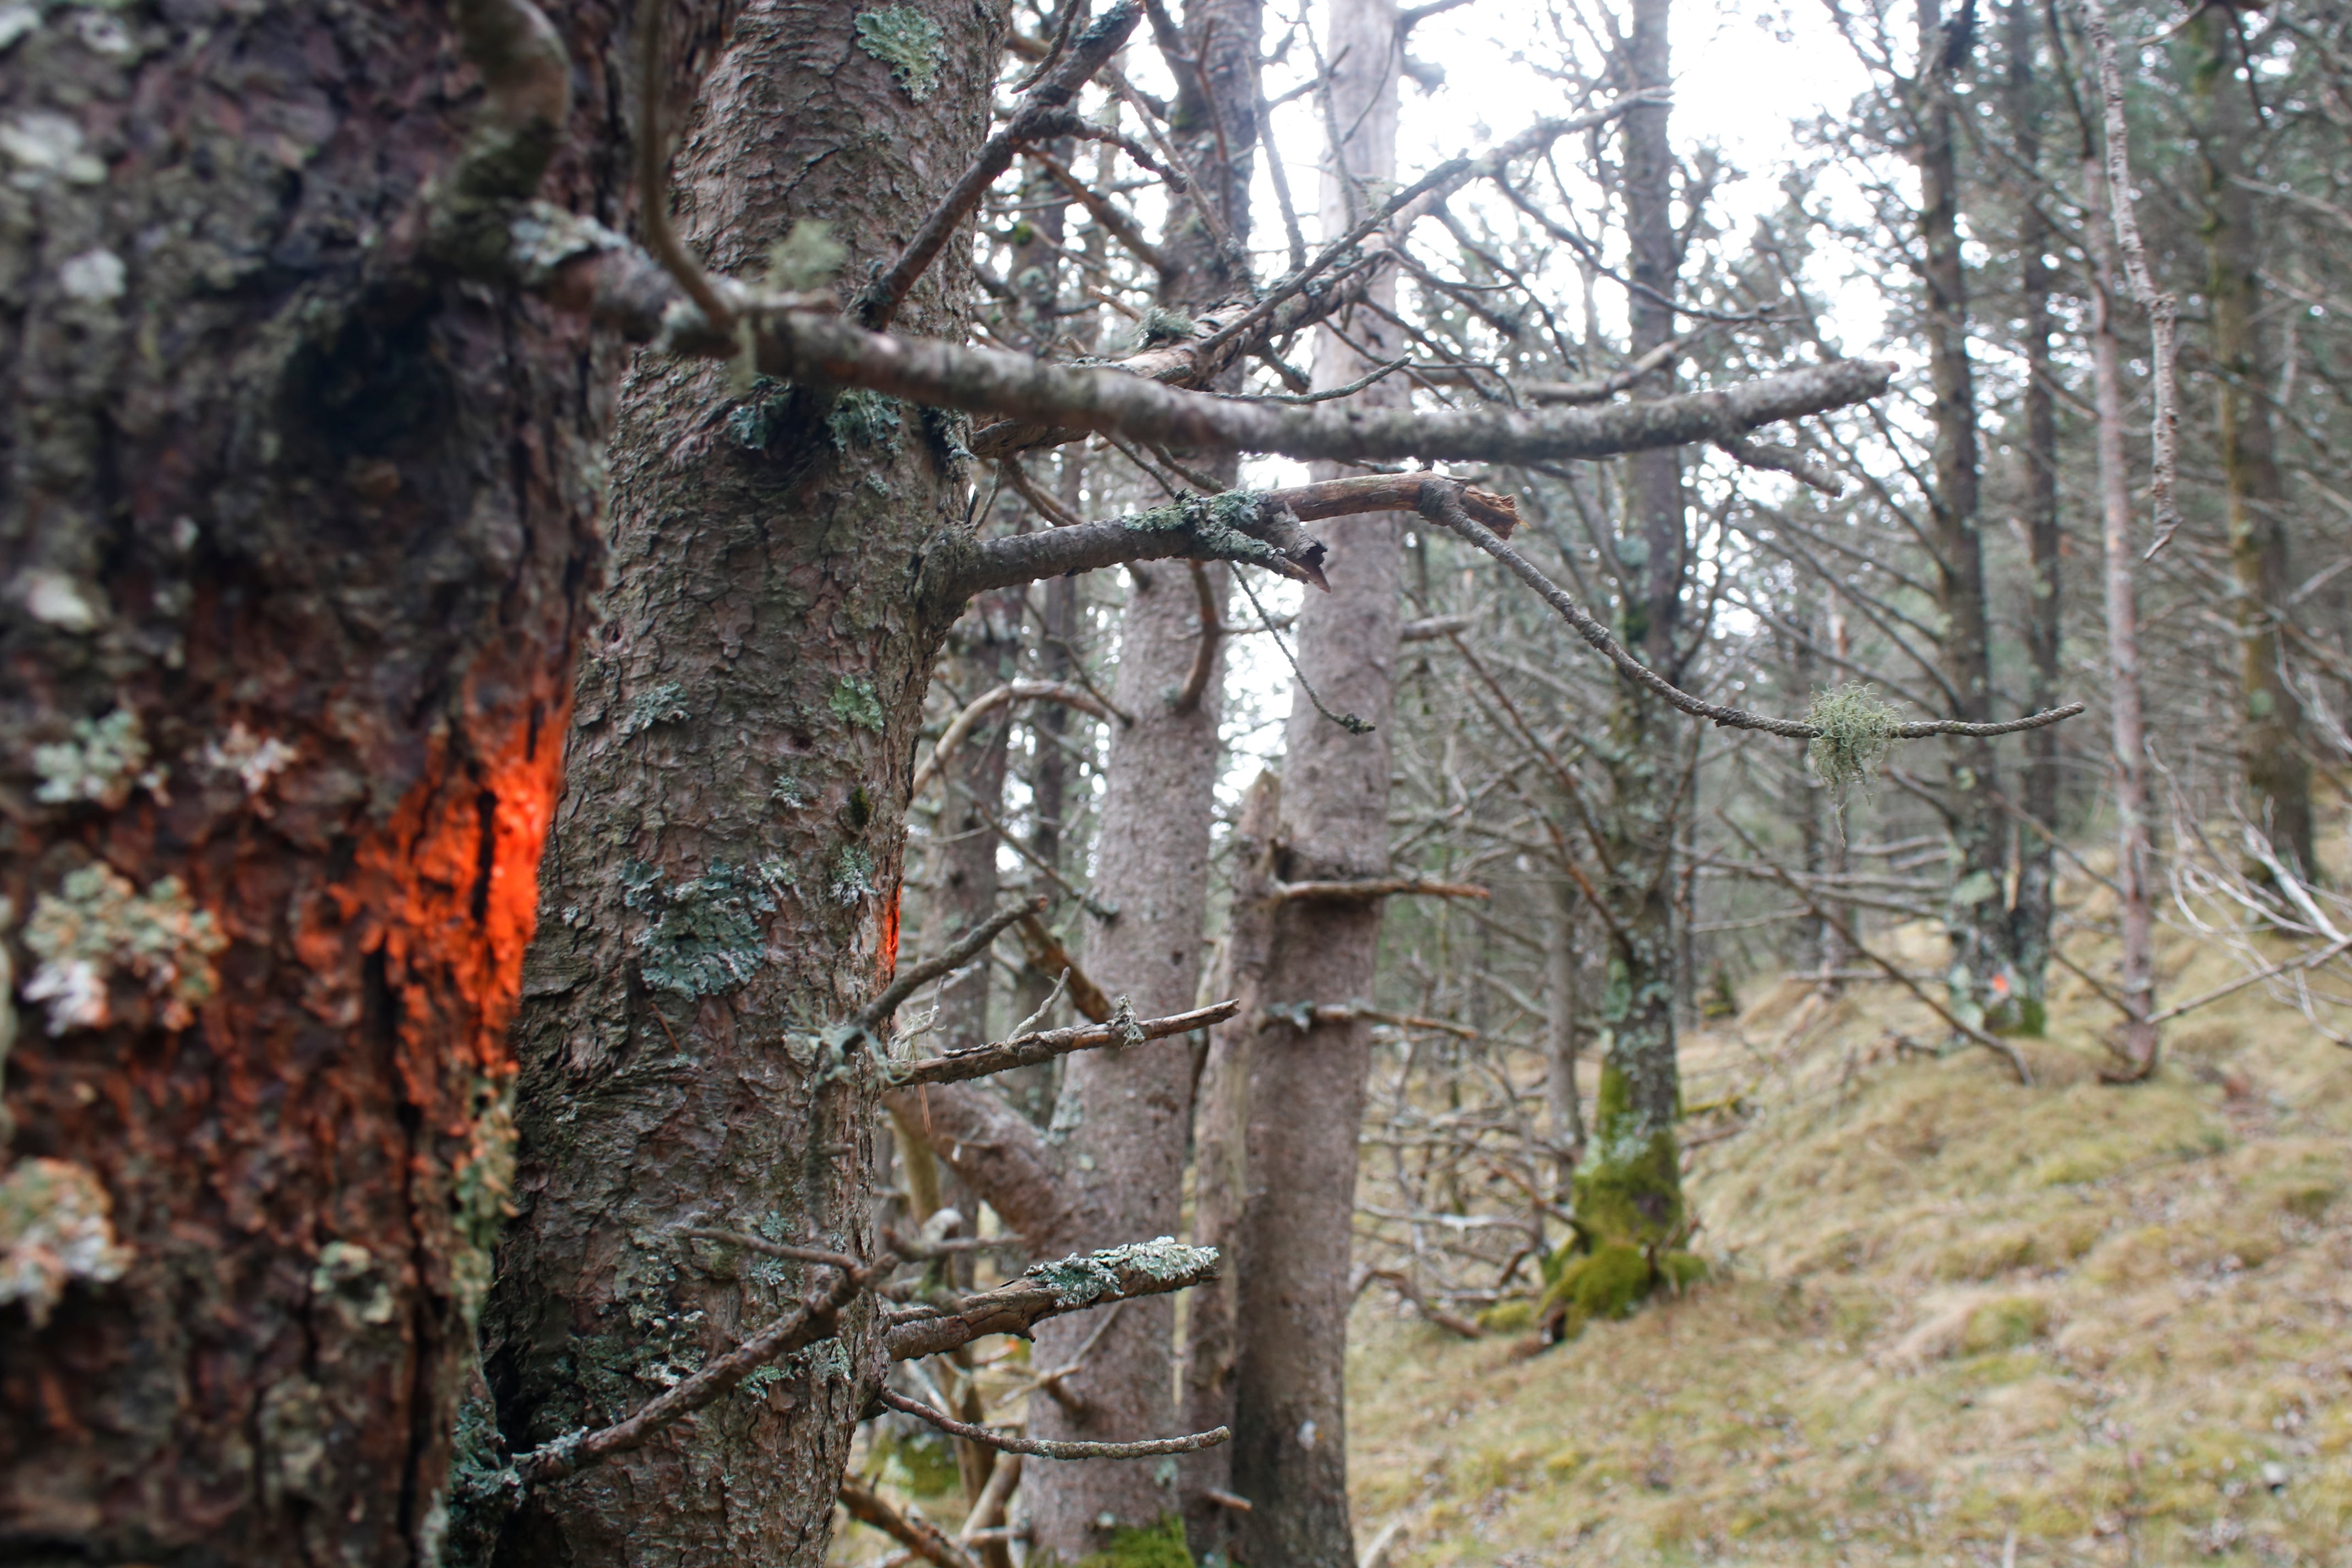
pixel 2137 1043
pixel 2277 774
pixel 2037 850
pixel 1563 997
pixel 1628 1191
pixel 722 884
pixel 1305 1087
pixel 1213 1327
pixel 297 539
pixel 1976 909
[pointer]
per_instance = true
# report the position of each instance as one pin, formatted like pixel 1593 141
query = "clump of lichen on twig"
pixel 1857 730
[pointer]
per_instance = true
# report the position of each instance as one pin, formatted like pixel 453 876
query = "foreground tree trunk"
pixel 722 883
pixel 2277 774
pixel 295 545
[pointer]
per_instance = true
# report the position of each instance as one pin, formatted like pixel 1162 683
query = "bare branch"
pixel 1048 1290
pixel 1028 1050
pixel 912 1530
pixel 997 697
pixel 873 1015
pixel 1372 888
pixel 817 1317
pixel 1046 1449
pixel 1047 956
pixel 1043 112
pixel 1443 511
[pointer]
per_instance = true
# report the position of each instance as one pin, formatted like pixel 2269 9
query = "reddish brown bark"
pixel 322 521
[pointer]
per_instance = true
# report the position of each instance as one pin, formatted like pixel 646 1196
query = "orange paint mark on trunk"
pixel 890 936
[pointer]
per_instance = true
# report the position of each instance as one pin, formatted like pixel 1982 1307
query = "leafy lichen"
pixel 854 701
pixel 57 1226
pixel 909 43
pixel 865 419
pixel 1857 730
pixel 104 762
pixel 1088 1276
pixel 661 704
pixel 98 925
pixel 705 935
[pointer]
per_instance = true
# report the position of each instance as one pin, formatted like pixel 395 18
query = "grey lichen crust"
pixel 909 42
pixel 1238 525
pixel 705 936
pixel 1080 1278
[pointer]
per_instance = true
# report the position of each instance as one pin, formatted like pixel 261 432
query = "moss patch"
pixel 1161 1545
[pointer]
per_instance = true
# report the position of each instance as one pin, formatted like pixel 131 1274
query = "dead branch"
pixel 1028 1050
pixel 1047 1449
pixel 912 1530
pixel 874 1012
pixel 988 701
pixel 1379 887
pixel 1048 957
pixel 1043 113
pixel 1047 1290
pixel 817 1317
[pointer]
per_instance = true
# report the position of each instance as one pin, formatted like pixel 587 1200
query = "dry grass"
pixel 2115 1323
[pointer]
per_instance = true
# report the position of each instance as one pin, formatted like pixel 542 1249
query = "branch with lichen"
pixel 1076 1283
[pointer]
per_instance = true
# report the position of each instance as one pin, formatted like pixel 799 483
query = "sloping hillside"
pixel 1952 1318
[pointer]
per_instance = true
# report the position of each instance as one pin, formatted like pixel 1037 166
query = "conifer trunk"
pixel 1976 906
pixel 721 885
pixel 296 540
pixel 2277 774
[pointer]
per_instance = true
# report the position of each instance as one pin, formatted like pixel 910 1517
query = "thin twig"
pixel 872 1016
pixel 1047 1448
pixel 1028 1050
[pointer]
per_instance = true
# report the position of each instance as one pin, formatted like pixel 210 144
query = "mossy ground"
pixel 1942 1309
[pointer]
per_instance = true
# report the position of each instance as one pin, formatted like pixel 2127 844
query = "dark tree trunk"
pixel 722 882
pixel 296 540
pixel 1976 909
pixel 2277 773
pixel 2037 849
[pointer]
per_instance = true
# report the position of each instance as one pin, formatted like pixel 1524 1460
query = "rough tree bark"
pixel 2031 907
pixel 1304 1093
pixel 722 881
pixel 2277 773
pixel 295 545
pixel 1976 909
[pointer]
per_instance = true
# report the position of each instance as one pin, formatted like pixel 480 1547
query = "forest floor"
pixel 1952 1319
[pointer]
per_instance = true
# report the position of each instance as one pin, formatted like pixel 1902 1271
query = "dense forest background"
pixel 1135 783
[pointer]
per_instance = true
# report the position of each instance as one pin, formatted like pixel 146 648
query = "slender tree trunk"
pixel 1305 1091
pixel 722 883
pixel 2037 850
pixel 2277 774
pixel 1220 1170
pixel 296 537
pixel 1563 997
pixel 1628 1191
pixel 2137 1043
pixel 1976 909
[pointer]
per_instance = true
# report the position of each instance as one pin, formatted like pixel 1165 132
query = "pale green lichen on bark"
pixel 104 762
pixel 1088 1277
pixel 853 703
pixel 56 1226
pixel 705 936
pixel 909 43
pixel 482 1190
pixel 346 1278
pixel 664 703
pixel 98 925
pixel 869 419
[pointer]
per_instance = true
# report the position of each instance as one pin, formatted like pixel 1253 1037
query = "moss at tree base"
pixel 1159 1545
